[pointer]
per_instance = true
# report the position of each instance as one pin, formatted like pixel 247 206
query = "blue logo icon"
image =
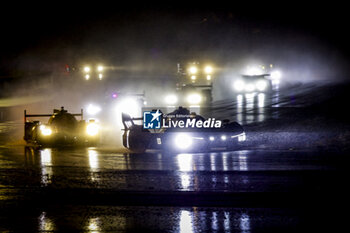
pixel 152 119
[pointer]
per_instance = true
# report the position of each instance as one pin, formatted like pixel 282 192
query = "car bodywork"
pixel 135 138
pixel 62 129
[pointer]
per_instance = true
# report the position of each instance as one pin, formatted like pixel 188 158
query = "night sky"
pixel 41 36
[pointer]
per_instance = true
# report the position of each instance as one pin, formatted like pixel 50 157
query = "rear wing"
pixel 81 114
pixel 199 86
pixel 128 121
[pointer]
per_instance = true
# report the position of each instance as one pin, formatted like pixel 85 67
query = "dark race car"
pixel 62 129
pixel 229 136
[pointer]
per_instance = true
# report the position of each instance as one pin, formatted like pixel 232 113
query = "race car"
pixel 189 95
pixel 62 129
pixel 195 73
pixel 193 87
pixel 258 79
pixel 253 83
pixel 198 139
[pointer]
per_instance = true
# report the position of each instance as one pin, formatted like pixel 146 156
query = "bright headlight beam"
pixel 194 98
pixel 92 129
pixel 87 69
pixel 193 70
pixel 261 85
pixel 238 85
pixel 171 99
pixel 208 69
pixel 99 68
pixel 183 141
pixel 46 131
pixel 129 106
pixel 276 74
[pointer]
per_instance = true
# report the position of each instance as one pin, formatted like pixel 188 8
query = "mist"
pixel 140 52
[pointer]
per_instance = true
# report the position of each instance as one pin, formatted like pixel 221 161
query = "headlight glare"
pixel 194 98
pixel 208 69
pixel 193 70
pixel 183 141
pixel 261 85
pixel 45 130
pixel 99 68
pixel 171 99
pixel 93 109
pixel 276 74
pixel 239 85
pixel 92 129
pixel 129 106
pixel 87 69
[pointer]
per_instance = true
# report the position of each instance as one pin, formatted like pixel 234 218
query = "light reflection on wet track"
pixel 216 171
pixel 243 171
pixel 176 219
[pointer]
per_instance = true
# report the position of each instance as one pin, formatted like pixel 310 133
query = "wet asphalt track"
pixel 257 188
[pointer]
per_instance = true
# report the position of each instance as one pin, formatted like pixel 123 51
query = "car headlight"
pixel 92 129
pixel 99 68
pixel 87 69
pixel 171 99
pixel 193 70
pixel 276 74
pixel 208 69
pixel 194 98
pixel 45 130
pixel 183 141
pixel 261 85
pixel 239 85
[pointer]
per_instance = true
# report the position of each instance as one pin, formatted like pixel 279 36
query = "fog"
pixel 140 52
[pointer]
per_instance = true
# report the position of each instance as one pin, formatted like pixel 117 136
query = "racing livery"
pixel 137 138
